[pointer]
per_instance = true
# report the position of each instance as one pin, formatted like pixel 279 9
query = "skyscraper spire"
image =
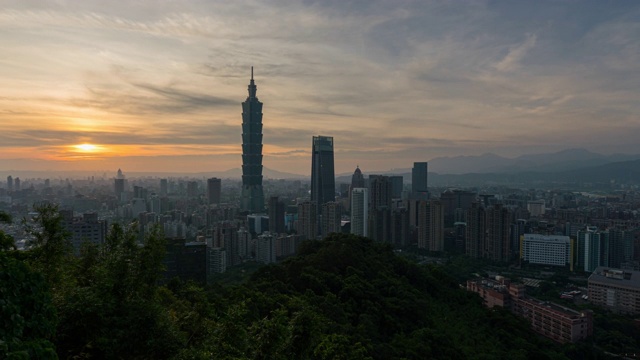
pixel 252 87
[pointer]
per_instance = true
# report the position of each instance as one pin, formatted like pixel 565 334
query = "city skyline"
pixel 153 87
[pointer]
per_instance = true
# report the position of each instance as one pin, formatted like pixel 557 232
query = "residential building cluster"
pixel 554 321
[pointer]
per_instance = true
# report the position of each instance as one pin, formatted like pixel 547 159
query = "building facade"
pixel 214 191
pixel 431 225
pixel 555 250
pixel 419 180
pixel 323 181
pixel 615 289
pixel 359 211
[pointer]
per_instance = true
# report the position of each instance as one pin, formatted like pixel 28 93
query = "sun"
pixel 87 148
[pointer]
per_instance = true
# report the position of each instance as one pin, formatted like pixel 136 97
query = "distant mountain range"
pixel 565 160
pixel 567 166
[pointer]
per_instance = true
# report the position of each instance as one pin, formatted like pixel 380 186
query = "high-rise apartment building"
pixel 589 246
pixel 419 180
pixel 252 199
pixel 431 225
pixel 359 211
pixel 475 231
pixel 331 218
pixel 498 227
pixel 214 190
pixel 323 181
pixel 308 220
pixel 266 248
pixel 380 191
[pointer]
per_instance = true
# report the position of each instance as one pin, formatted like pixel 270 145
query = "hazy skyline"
pixel 157 86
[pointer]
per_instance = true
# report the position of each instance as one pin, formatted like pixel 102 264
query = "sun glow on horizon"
pixel 89 148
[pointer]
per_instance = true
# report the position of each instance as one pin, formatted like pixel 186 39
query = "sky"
pixel 157 85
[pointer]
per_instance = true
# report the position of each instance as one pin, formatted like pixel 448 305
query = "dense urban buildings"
pixel 252 199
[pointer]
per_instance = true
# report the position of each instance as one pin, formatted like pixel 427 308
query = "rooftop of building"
pixel 499 284
pixel 557 308
pixel 617 277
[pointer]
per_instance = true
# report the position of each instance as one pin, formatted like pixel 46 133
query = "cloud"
pixel 389 80
pixel 516 54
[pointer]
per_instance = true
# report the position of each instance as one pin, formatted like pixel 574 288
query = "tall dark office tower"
pixel 323 181
pixel 276 215
pixel 16 184
pixel 214 190
pixel 252 194
pixel 396 186
pixel 380 208
pixel 164 187
pixel 419 180
pixel 9 183
pixel 119 188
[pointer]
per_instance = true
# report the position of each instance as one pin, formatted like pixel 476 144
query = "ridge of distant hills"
pixel 565 160
pixel 567 166
pixel 571 165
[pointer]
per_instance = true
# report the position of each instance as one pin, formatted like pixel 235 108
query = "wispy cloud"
pixel 516 54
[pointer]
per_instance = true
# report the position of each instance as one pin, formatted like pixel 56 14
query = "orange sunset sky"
pixel 157 85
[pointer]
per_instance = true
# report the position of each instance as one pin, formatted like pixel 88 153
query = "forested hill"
pixel 349 298
pixel 345 297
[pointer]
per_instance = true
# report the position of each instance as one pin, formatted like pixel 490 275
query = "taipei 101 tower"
pixel 252 195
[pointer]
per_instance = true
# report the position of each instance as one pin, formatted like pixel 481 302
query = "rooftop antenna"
pixel 252 73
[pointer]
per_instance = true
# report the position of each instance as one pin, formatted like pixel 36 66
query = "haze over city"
pixel 157 86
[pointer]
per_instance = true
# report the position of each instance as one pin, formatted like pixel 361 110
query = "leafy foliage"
pixel 114 311
pixel 27 317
